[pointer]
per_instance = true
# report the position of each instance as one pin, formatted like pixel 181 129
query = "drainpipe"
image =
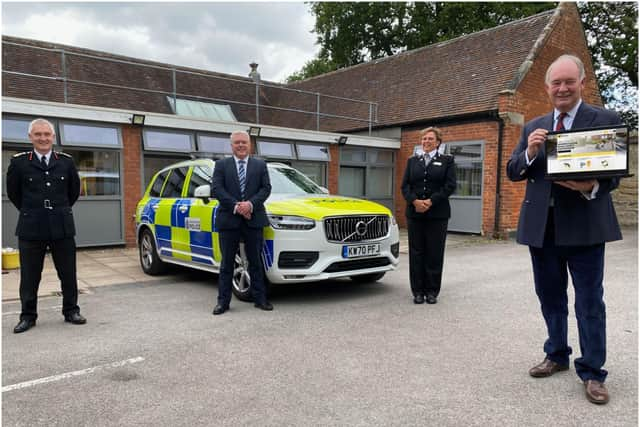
pixel 496 222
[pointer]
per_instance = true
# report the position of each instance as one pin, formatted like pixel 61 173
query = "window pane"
pixel 313 171
pixel 466 152
pixel 351 181
pixel 15 130
pixel 313 152
pixel 214 144
pixel 169 141
pixel 153 164
pixel 379 182
pixel 72 134
pixel 99 172
pixel 469 178
pixel 173 187
pixel 201 175
pixel 352 155
pixel 381 156
pixel 158 183
pixel 275 149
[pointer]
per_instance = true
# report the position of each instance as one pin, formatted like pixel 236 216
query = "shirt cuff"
pixel 590 195
pixel 526 158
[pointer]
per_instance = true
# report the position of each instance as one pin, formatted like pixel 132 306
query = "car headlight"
pixel 289 222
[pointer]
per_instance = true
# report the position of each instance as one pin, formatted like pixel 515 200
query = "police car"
pixel 312 235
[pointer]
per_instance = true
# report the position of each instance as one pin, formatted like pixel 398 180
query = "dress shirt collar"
pixel 246 161
pixel 568 120
pixel 46 156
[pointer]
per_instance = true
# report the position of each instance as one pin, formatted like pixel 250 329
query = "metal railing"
pixel 371 119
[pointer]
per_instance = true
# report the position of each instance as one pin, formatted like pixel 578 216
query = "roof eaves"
pixel 535 50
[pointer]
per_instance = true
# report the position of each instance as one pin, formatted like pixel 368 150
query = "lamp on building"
pixel 254 131
pixel 137 119
pixel 342 140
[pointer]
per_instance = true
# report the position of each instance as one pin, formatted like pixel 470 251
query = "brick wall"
pixel 132 155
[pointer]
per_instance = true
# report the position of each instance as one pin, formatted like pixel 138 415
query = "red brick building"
pixel 479 89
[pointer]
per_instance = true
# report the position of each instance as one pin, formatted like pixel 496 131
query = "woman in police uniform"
pixel 428 181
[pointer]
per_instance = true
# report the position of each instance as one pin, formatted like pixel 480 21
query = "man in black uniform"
pixel 43 185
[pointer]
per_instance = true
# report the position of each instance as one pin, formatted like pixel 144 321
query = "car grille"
pixel 357 264
pixel 297 259
pixel 356 228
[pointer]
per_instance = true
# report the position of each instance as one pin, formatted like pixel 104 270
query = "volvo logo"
pixel 361 228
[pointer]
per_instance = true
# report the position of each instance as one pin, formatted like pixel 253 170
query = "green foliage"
pixel 315 67
pixel 612 36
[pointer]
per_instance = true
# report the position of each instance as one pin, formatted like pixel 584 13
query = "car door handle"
pixel 183 208
pixel 154 207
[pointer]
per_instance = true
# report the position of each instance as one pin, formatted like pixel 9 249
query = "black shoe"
pixel 24 325
pixel 431 299
pixel 266 306
pixel 418 299
pixel 219 309
pixel 75 318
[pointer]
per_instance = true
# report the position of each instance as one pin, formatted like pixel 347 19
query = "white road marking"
pixel 70 374
pixel 13 313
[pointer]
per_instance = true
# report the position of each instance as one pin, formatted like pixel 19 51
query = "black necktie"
pixel 43 161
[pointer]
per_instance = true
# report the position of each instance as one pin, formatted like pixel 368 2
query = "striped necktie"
pixel 560 124
pixel 242 176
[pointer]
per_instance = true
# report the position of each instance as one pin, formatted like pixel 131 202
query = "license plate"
pixel 355 251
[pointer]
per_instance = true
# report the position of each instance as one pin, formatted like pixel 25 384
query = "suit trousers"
pixel 32 253
pixel 229 244
pixel 586 266
pixel 426 254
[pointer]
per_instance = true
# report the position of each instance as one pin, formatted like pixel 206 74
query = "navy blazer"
pixel 578 221
pixel 436 182
pixel 226 188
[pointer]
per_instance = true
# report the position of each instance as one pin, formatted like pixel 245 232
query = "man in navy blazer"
pixel 241 185
pixel 566 225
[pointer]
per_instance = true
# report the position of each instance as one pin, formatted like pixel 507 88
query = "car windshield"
pixel 290 181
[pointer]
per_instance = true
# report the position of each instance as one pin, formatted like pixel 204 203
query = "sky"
pixel 214 36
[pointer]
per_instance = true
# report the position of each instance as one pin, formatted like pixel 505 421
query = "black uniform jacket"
pixel 226 188
pixel 437 182
pixel 43 196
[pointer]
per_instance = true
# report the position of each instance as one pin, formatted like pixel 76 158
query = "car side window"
pixel 201 175
pixel 173 187
pixel 156 187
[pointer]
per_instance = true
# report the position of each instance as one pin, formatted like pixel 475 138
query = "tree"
pixel 612 36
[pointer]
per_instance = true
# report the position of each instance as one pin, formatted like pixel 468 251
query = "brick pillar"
pixel 132 159
pixel 333 172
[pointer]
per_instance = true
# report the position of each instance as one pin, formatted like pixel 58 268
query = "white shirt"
pixel 246 163
pixel 46 156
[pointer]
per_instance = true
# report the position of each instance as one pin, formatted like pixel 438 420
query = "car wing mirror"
pixel 203 192
pixel 324 190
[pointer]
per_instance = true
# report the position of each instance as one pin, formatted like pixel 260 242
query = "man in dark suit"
pixel 43 185
pixel 427 183
pixel 241 185
pixel 566 225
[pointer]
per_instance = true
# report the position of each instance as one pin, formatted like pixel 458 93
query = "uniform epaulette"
pixel 60 153
pixel 21 154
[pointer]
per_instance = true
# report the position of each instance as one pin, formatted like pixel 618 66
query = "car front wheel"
pixel 241 281
pixel 149 260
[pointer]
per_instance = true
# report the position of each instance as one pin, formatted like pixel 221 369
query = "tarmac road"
pixel 330 354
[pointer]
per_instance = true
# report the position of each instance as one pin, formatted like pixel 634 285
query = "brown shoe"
pixel 546 369
pixel 596 392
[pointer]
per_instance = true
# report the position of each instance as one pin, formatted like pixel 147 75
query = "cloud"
pixel 222 37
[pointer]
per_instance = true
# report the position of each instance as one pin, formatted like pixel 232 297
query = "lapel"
pixel 584 117
pixel 233 167
pixel 547 122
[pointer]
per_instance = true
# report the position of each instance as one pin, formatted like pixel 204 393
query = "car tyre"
pixel 241 280
pixel 149 259
pixel 368 278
